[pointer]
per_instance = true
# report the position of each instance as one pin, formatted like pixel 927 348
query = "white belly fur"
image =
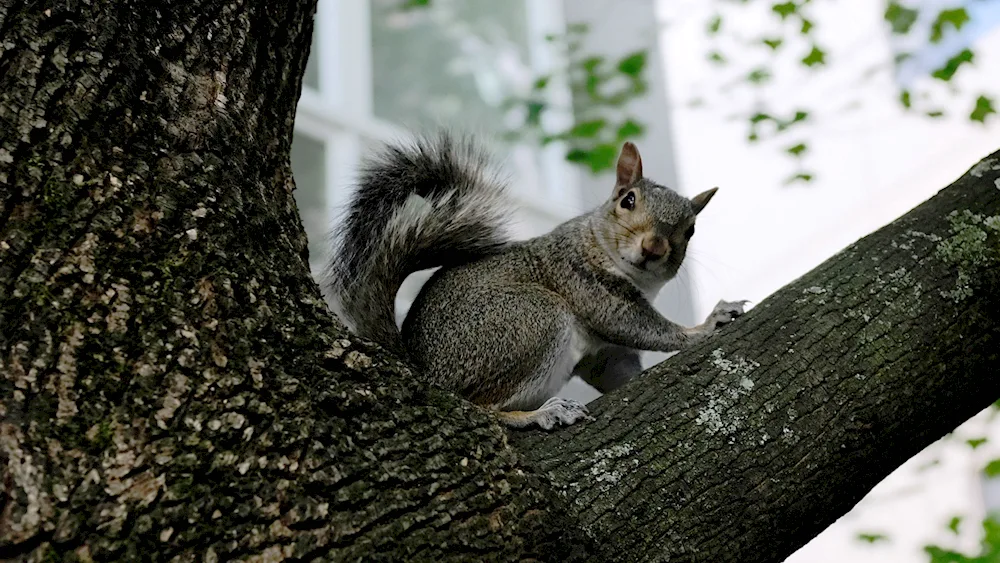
pixel 555 372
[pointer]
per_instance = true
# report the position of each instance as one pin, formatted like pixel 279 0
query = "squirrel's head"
pixel 648 226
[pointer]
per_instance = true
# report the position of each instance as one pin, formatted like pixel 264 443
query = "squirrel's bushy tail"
pixel 435 202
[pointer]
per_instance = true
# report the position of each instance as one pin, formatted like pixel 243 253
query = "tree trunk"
pixel 172 386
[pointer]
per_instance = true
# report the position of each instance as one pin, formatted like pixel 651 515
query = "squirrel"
pixel 505 324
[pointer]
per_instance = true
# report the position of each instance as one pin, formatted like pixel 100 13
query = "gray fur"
pixel 433 203
pixel 609 367
pixel 507 324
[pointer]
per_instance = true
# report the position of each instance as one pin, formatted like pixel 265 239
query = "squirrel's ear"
pixel 699 201
pixel 629 165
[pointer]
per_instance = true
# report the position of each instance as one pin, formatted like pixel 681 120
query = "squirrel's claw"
pixel 561 411
pixel 726 312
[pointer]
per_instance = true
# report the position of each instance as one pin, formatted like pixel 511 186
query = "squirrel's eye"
pixel 628 202
pixel 690 232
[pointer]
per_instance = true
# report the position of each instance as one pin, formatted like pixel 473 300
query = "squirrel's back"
pixel 433 202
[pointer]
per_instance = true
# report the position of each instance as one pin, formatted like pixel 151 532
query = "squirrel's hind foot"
pixel 554 411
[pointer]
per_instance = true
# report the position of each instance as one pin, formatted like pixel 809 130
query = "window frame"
pixel 340 112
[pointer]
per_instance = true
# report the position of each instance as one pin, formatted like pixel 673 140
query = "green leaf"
pixel 602 157
pixel 955 17
pixel 984 107
pixel 901 57
pixel 411 4
pixel 773 43
pixel 992 468
pixel 783 124
pixel 951 67
pixel 991 539
pixel 590 64
pixel 542 82
pixel 803 177
pixel 900 17
pixel 807 26
pixel 797 150
pixel 717 57
pixel 939 555
pixel 578 155
pixel 975 442
pixel 628 130
pixel 759 76
pixel 989 550
pixel 953 524
pixel 534 116
pixel 591 84
pixel 587 129
pixel 872 538
pixel 784 9
pixel 934 114
pixel 815 57
pixel 904 98
pixel 715 24
pixel 755 120
pixel 633 64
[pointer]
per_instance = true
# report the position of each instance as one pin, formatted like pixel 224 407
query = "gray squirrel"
pixel 504 323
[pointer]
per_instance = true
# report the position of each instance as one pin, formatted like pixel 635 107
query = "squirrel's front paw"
pixel 558 410
pixel 725 312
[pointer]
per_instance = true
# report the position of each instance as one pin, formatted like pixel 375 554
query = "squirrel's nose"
pixel 654 247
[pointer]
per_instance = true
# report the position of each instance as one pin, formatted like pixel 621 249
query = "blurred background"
pixel 820 121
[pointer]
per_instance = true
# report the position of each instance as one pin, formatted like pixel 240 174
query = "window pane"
pixel 452 63
pixel 311 78
pixel 309 168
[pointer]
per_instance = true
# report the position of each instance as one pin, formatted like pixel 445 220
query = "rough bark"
pixel 172 384
pixel 173 387
pixel 746 447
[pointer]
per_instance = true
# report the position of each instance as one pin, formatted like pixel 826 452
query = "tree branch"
pixel 746 447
